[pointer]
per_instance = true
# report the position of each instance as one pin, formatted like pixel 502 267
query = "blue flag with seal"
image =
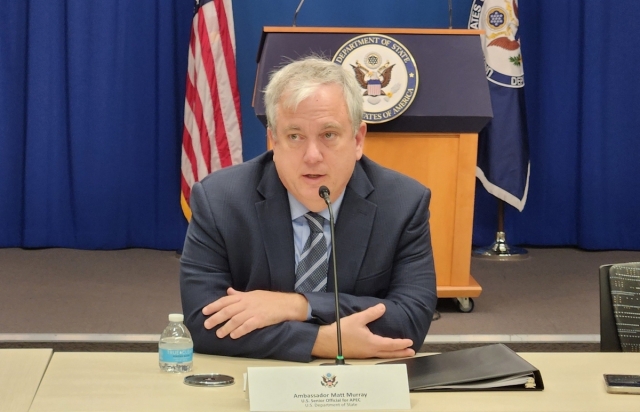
pixel 503 145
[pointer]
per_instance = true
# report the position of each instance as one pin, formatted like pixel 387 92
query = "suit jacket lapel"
pixel 352 231
pixel 274 219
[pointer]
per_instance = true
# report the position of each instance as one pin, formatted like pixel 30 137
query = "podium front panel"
pixel 452 97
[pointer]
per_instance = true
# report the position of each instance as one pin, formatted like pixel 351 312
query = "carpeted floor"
pixel 57 292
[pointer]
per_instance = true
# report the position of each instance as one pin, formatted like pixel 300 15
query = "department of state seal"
pixel 385 70
pixel 501 43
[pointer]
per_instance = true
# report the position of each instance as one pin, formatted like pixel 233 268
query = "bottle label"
pixel 176 355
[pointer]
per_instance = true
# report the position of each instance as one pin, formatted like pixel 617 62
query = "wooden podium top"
pixel 386 30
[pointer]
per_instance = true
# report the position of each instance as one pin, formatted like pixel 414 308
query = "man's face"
pixel 314 146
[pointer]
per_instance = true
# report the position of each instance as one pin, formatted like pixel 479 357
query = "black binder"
pixel 490 367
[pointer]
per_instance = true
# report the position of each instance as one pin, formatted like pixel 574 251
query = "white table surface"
pixel 133 382
pixel 20 373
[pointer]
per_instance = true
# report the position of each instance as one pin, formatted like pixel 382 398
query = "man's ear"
pixel 271 141
pixel 360 134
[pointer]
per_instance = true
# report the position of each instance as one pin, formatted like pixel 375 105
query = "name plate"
pixel 349 387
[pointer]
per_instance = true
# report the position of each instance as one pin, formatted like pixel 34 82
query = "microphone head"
pixel 323 192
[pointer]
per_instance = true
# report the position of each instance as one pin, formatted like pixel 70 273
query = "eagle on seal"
pixel 373 81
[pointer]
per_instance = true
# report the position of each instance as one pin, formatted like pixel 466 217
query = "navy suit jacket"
pixel 241 235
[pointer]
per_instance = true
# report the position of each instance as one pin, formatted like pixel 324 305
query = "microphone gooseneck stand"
pixel 295 15
pixel 324 194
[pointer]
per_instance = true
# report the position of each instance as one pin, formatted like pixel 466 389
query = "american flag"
pixel 211 138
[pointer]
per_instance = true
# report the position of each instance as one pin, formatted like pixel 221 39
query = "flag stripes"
pixel 211 136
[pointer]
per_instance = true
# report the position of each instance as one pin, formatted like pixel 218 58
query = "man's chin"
pixel 313 202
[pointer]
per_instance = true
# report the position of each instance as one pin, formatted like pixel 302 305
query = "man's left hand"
pixel 245 312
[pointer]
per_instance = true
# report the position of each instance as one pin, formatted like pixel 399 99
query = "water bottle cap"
pixel 176 317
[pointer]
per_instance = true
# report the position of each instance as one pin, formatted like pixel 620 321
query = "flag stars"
pixel 496 19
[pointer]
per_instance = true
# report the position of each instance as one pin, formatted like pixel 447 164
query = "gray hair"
pixel 301 78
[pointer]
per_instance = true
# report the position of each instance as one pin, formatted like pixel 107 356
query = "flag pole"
pixel 500 249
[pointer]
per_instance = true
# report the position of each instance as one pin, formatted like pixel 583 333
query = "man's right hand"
pixel 358 342
pixel 241 313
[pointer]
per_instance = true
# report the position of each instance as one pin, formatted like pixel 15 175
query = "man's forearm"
pixel 240 313
pixel 326 345
pixel 399 321
pixel 357 339
pixel 290 341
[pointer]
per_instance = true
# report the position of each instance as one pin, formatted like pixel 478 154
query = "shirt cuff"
pixel 308 311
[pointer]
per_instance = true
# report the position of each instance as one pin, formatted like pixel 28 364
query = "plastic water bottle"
pixel 176 347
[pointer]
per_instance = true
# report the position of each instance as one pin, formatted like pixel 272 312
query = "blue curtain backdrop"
pixel 90 114
pixel 92 93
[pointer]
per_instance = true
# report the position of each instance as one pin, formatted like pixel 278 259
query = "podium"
pixel 434 140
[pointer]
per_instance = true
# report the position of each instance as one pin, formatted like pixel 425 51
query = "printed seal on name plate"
pixel 386 71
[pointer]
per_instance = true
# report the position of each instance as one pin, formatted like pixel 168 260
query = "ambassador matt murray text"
pixel 329 395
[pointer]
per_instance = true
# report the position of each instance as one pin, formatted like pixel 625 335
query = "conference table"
pixel 132 382
pixel 20 373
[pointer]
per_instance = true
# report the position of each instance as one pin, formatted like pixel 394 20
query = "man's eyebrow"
pixel 331 125
pixel 292 127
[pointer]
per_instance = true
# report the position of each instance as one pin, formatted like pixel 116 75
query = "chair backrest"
pixel 620 307
pixel 609 341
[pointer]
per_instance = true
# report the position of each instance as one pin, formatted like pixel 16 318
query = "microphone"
pixel 295 16
pixel 324 193
pixel 450 14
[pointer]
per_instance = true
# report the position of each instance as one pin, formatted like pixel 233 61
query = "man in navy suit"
pixel 248 234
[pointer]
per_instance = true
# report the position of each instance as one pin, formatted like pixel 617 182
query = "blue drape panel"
pixel 610 144
pixel 13 64
pixel 91 100
pixel 93 106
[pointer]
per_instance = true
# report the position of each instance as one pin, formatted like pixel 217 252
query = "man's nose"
pixel 313 152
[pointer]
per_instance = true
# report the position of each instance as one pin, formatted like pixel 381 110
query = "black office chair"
pixel 620 307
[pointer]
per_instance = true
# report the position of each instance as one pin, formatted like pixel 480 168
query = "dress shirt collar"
pixel 298 209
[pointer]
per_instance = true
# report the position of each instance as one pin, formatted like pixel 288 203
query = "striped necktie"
pixel 311 273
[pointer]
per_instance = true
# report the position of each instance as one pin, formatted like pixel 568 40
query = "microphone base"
pixel 339 361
